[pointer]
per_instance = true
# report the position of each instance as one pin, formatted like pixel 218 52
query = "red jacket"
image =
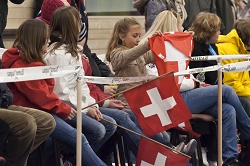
pixel 95 91
pixel 36 94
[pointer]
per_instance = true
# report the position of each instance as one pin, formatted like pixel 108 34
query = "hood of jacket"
pixel 10 56
pixel 11 59
pixel 233 41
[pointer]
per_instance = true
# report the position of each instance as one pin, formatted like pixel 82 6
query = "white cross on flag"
pixel 158 105
pixel 154 154
pixel 172 52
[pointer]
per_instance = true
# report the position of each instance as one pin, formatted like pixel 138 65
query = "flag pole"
pixel 79 123
pixel 219 114
pixel 147 138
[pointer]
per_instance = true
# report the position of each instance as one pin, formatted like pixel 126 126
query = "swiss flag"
pixel 158 105
pixel 172 52
pixel 154 154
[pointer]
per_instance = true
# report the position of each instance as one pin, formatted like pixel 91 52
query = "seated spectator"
pixel 23 129
pixel 234 43
pixel 124 49
pixel 206 28
pixel 99 68
pixel 64 52
pixel 30 44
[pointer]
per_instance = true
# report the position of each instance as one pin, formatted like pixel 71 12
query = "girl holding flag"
pixel 129 57
pixel 63 51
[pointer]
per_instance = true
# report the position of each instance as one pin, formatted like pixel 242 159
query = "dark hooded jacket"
pixel 6 97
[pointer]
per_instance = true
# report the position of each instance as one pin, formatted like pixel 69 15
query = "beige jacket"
pixel 130 63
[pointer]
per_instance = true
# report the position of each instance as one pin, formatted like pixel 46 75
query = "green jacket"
pixel 4 12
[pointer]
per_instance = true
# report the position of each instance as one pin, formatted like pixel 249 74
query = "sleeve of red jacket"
pixel 39 94
pixel 97 93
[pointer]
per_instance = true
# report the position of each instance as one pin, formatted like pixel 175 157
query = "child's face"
pixel 214 38
pixel 132 38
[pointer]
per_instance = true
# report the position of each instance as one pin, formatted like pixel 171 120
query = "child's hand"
pixel 203 84
pixel 110 90
pixel 72 114
pixel 157 33
pixel 94 113
pixel 118 104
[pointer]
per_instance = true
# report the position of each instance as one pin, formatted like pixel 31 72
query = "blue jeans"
pixel 128 120
pixel 204 100
pixel 97 133
pixel 67 134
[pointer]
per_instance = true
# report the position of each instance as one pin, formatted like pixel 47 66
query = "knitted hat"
pixel 48 7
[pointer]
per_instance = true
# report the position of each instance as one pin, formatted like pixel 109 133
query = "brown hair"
pixel 31 36
pixel 65 21
pixel 122 27
pixel 243 30
pixel 205 25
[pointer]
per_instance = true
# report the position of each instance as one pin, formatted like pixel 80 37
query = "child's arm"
pixel 39 94
pixel 149 57
pixel 66 86
pixel 121 57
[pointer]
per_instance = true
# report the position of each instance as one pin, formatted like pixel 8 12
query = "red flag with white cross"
pixel 172 52
pixel 154 154
pixel 158 105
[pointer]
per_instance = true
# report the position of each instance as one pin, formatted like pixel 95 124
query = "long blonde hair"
pixel 122 27
pixel 166 21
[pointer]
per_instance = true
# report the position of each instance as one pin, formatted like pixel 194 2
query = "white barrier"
pixel 35 73
pixel 223 57
pixel 44 72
